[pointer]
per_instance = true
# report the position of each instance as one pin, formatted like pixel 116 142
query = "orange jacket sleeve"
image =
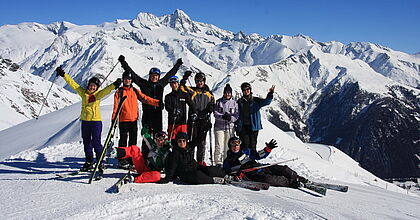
pixel 115 104
pixel 146 99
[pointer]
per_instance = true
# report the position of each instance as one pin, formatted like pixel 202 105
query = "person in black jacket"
pixel 153 87
pixel 200 124
pixel 181 164
pixel 176 105
pixel 238 159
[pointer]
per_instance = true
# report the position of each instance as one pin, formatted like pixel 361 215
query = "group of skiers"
pixel 172 151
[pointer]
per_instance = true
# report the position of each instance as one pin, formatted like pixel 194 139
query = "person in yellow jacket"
pixel 90 115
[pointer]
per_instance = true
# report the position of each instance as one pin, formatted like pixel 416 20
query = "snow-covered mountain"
pixel 323 90
pixel 22 95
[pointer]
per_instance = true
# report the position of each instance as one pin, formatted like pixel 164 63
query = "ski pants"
pixel 128 130
pixel 199 132
pixel 221 146
pixel 203 175
pixel 152 119
pixel 146 175
pixel 275 175
pixel 248 137
pixel 91 135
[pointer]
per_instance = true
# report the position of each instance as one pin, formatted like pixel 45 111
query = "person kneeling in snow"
pixel 148 167
pixel 181 163
pixel 275 175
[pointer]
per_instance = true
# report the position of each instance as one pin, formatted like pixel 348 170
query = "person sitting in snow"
pixel 147 166
pixel 181 163
pixel 90 116
pixel 275 175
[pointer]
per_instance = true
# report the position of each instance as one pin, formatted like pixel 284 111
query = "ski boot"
pixel 86 167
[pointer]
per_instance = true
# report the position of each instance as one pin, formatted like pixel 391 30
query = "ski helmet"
pixel 174 79
pixel 154 70
pixel 161 135
pixel 200 76
pixel 245 85
pixel 233 140
pixel 127 75
pixel 94 80
pixel 181 135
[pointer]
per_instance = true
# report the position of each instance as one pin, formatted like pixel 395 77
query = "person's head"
pixel 174 83
pixel 181 139
pixel 234 144
pixel 246 89
pixel 160 138
pixel 93 85
pixel 127 78
pixel 200 80
pixel 227 92
pixel 154 74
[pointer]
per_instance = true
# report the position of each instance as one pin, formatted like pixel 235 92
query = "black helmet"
pixel 200 76
pixel 160 135
pixel 181 135
pixel 154 70
pixel 232 140
pixel 127 75
pixel 245 85
pixel 94 80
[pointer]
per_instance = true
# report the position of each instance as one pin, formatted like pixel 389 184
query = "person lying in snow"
pixel 147 166
pixel 275 175
pixel 181 163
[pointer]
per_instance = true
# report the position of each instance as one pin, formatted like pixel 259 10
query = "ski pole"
pixel 109 73
pixel 45 99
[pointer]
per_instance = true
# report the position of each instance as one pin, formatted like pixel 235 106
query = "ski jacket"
pixel 157 156
pixel 176 105
pixel 244 159
pixel 180 161
pixel 225 106
pixel 255 104
pixel 202 99
pixel 151 89
pixel 130 109
pixel 90 102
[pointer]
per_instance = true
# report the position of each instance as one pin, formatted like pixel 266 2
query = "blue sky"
pixel 395 24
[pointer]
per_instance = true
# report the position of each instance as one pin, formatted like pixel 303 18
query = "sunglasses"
pixel 235 143
pixel 246 89
pixel 198 81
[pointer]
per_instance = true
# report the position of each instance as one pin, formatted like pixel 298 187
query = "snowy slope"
pixel 30 190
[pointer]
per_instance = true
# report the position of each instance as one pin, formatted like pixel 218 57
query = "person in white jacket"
pixel 225 114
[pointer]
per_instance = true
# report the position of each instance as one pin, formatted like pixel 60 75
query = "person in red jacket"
pixel 129 113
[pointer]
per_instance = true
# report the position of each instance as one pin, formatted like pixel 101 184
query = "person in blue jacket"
pixel 276 175
pixel 249 121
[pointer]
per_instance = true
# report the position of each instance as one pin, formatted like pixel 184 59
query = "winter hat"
pixel 94 80
pixel 227 89
pixel 181 135
pixel 245 85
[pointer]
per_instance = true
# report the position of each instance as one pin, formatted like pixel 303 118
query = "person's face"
pixel 182 143
pixel 92 88
pixel 160 141
pixel 227 95
pixel 199 83
pixel 154 77
pixel 235 146
pixel 174 86
pixel 127 81
pixel 246 91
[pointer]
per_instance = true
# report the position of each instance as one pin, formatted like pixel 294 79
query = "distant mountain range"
pixel 361 97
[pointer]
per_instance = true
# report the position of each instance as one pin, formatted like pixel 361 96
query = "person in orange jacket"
pixel 129 113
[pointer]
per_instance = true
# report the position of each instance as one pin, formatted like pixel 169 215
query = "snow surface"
pixel 51 145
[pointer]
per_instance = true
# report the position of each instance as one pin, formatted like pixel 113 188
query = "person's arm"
pixel 190 104
pixel 218 111
pixel 146 99
pixel 171 166
pixel 165 80
pixel 235 114
pixel 136 78
pixel 105 91
pixel 268 99
pixel 169 106
pixel 76 87
pixel 116 101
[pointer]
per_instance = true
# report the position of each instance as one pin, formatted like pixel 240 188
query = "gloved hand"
pixel 193 117
pixel 60 71
pixel 179 62
pixel 121 58
pixel 272 144
pixel 163 181
pixel 177 113
pixel 226 116
pixel 187 74
pixel 208 126
pixel 117 83
pixel 161 104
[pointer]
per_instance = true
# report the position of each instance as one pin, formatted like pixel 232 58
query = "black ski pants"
pixel 128 130
pixel 275 175
pixel 248 137
pixel 203 175
pixel 198 130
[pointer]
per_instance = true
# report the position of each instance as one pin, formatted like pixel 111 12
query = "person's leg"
pixel 253 139
pixel 87 141
pixel 96 138
pixel 225 148
pixel 244 136
pixel 147 177
pixel 219 141
pixel 213 171
pixel 123 128
pixel 132 133
pixel 201 147
pixel 196 177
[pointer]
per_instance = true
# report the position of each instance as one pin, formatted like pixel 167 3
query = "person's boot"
pixel 86 166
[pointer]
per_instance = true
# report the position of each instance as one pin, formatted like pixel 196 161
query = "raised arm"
pixel 165 80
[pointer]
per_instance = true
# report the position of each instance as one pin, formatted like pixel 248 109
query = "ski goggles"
pixel 161 136
pixel 235 143
pixel 182 140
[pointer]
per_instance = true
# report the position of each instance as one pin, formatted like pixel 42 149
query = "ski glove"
pixel 177 113
pixel 187 74
pixel 193 117
pixel 60 71
pixel 179 62
pixel 226 116
pixel 272 144
pixel 121 58
pixel 161 104
pixel 117 83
